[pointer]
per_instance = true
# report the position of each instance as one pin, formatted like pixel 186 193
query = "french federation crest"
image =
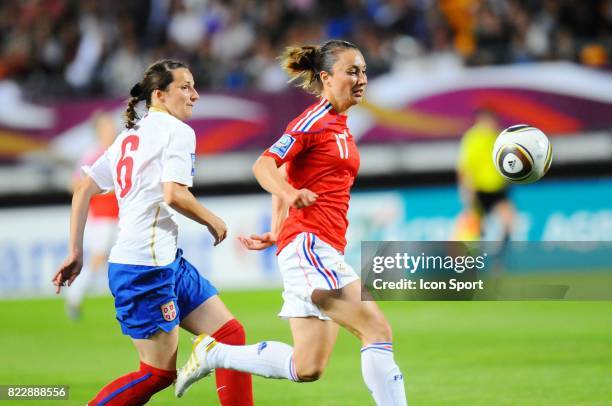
pixel 169 311
pixel 283 145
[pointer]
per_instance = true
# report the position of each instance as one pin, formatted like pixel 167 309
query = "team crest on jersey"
pixel 283 145
pixel 192 164
pixel 169 311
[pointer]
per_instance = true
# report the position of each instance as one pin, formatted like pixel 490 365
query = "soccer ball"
pixel 522 154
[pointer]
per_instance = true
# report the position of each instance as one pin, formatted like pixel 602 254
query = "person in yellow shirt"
pixel 483 190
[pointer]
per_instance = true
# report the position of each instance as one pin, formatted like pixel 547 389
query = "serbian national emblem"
pixel 169 311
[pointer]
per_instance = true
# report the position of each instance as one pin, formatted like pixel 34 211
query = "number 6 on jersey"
pixel 126 161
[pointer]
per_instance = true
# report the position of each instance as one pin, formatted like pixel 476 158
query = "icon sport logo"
pixel 283 145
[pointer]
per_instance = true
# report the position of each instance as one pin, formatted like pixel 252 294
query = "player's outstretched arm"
pixel 71 267
pixel 269 177
pixel 259 242
pixel 182 200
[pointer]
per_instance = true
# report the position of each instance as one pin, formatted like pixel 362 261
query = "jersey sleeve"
pixel 101 173
pixel 287 147
pixel 178 158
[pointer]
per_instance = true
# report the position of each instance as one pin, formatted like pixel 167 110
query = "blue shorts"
pixel 149 298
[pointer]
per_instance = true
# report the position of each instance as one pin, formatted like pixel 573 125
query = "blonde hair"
pixel 304 64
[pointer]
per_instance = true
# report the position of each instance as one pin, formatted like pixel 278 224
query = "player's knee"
pixel 322 298
pixel 309 374
pixel 311 371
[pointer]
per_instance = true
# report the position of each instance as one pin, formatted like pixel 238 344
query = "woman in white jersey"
pixel 151 166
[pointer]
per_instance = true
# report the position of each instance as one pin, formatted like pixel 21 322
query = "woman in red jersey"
pixel 319 160
pixel 101 228
pixel 310 195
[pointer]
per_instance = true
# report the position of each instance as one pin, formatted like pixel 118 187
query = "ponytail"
pixel 130 113
pixel 301 63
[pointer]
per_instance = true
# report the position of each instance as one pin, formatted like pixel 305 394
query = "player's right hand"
pixel 258 242
pixel 218 229
pixel 69 270
pixel 301 198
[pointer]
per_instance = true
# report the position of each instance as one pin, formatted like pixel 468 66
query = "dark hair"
pixel 304 64
pixel 157 76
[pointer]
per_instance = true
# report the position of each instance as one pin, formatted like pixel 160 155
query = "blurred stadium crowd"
pixel 60 48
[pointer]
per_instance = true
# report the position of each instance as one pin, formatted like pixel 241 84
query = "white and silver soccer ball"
pixel 522 154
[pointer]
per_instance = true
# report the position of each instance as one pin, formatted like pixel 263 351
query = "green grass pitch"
pixel 451 353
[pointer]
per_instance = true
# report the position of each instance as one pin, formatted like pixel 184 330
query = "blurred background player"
pixel 101 228
pixel 481 188
pixel 310 197
pixel 151 167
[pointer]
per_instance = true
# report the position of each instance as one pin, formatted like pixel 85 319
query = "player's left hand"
pixel 218 229
pixel 69 270
pixel 258 242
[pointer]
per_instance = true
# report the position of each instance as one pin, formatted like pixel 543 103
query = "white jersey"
pixel 161 148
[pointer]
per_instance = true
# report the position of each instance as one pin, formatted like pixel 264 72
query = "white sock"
pixel 270 359
pixel 382 376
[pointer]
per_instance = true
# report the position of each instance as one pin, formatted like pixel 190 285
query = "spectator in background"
pixel 185 26
pixel 125 62
pixel 55 47
pixel 263 68
pixel 79 73
pixel 482 189
pixel 375 49
pixel 101 228
pixel 492 36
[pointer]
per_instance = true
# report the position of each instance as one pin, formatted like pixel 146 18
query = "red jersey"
pixel 321 155
pixel 104 206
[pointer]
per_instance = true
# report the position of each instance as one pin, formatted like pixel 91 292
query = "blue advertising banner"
pixel 559 210
pixel 33 241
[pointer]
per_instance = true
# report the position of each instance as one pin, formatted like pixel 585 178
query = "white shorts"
pixel 308 263
pixel 100 235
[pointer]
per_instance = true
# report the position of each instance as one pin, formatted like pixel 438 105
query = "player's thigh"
pixel 97 261
pixel 362 318
pixel 201 309
pixel 313 343
pixel 159 350
pixel 208 317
